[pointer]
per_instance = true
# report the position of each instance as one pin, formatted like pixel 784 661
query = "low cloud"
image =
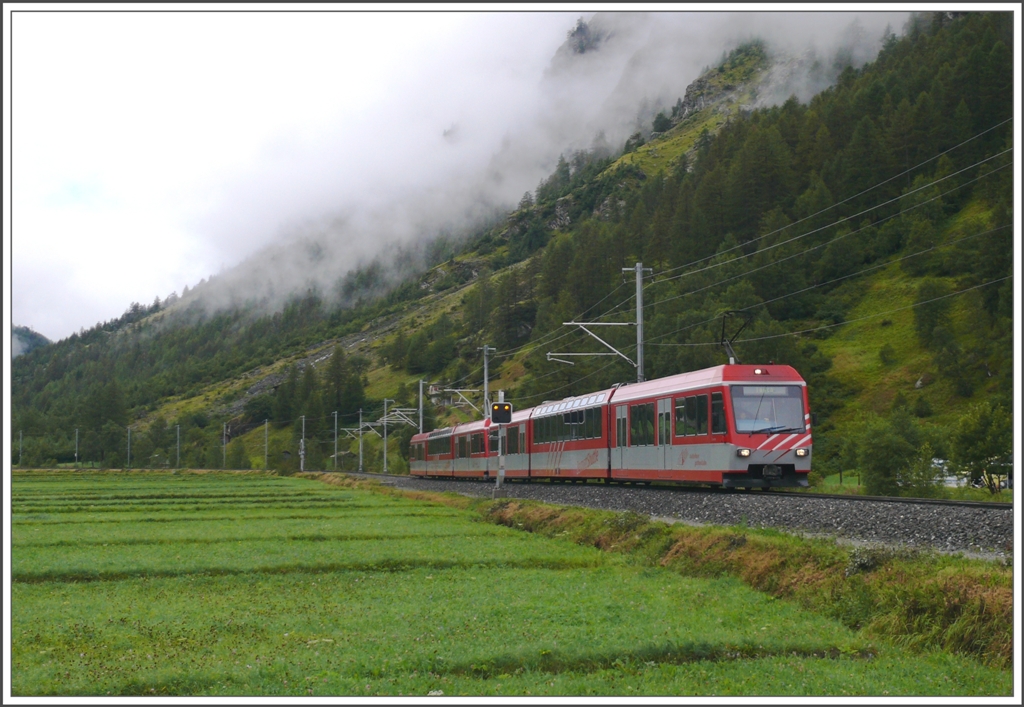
pixel 467 117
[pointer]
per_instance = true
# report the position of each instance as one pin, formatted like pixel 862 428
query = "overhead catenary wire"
pixel 876 266
pixel 849 198
pixel 833 224
pixel 852 321
pixel 820 245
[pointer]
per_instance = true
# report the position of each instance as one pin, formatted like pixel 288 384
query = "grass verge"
pixel 920 600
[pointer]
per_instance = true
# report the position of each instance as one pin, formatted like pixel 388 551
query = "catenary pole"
pixel 639 269
pixel 487 403
pixel 386 401
pixel 421 406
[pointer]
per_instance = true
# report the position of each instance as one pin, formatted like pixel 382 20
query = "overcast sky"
pixel 151 150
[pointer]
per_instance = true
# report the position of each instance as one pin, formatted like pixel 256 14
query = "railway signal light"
pixel 501 413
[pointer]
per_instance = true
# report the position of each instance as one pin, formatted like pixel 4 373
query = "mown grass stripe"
pixel 194 519
pixel 665 654
pixel 379 566
pixel 310 537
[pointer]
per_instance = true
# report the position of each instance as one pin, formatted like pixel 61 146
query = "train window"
pixel 768 409
pixel 439 445
pixel 492 440
pixel 620 426
pixel 691 415
pixel 522 438
pixel 680 417
pixel 476 443
pixel 512 441
pixel 702 414
pixel 641 425
pixel 664 421
pixel 718 426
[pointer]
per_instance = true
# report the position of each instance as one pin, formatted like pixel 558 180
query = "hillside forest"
pixel 865 238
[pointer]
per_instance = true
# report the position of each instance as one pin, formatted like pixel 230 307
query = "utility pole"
pixel 386 401
pixel 129 465
pixel 421 407
pixel 266 447
pixel 335 413
pixel 302 446
pixel 224 445
pixel 360 439
pixel 639 269
pixel 177 446
pixel 487 403
pixel 76 446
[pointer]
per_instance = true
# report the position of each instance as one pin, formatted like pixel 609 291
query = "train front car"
pixel 769 420
pixel 731 425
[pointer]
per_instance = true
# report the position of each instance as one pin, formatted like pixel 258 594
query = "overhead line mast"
pixel 639 269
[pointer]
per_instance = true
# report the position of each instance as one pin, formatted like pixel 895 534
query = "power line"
pixel 820 245
pixel 823 284
pixel 834 223
pixel 852 321
pixel 840 203
pixel 878 314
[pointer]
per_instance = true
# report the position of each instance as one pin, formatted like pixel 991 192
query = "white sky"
pixel 149 150
pixel 129 128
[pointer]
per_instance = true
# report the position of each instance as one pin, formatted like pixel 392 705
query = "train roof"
pixel 574 402
pixel 706 377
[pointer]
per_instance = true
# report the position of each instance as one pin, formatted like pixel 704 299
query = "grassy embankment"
pixel 918 600
pixel 248 584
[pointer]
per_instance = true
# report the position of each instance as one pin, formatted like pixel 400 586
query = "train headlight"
pixel 742 452
pixel 803 452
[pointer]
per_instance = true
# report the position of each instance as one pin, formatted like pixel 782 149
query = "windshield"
pixel 768 408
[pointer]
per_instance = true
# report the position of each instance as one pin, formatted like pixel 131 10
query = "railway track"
pixel 776 492
pixel 974 527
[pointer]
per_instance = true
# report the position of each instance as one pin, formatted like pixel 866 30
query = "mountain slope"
pixel 790 213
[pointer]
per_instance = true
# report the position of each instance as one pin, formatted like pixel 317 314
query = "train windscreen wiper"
pixel 777 428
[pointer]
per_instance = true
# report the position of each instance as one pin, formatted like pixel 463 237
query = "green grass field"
pixel 251 584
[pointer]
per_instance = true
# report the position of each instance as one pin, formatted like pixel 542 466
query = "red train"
pixel 733 425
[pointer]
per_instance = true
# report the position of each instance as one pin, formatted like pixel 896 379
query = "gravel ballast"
pixel 972 530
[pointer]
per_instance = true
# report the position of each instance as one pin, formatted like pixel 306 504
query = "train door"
pixel 620 436
pixel 665 436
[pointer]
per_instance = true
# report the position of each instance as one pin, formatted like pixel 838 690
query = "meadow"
pixel 163 583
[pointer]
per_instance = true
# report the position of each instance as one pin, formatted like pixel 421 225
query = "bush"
pixel 922 408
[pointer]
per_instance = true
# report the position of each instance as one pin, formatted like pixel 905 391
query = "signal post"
pixel 501 414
